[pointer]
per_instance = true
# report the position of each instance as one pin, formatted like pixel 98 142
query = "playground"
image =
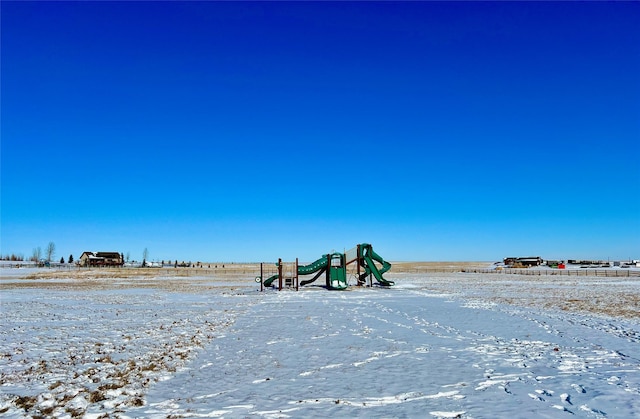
pixel 358 262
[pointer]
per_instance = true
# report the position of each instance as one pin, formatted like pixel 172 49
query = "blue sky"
pixel 224 131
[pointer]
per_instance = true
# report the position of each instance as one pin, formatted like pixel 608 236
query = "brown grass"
pixel 416 267
pixel 576 294
pixel 217 270
pixel 613 297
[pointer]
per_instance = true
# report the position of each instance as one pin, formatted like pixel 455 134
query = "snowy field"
pixel 446 345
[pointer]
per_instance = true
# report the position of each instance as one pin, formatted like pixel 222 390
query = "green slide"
pixel 370 267
pixel 318 265
pixel 313 267
pixel 267 282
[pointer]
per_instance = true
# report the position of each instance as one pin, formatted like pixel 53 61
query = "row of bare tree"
pixel 50 250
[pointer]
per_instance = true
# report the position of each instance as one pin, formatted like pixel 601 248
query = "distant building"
pixel 101 259
pixel 526 261
pixel 585 262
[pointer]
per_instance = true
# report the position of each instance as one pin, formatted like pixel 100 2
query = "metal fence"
pixel 166 270
pixel 560 272
pixel 618 272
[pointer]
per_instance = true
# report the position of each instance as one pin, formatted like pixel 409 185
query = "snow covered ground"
pixel 442 346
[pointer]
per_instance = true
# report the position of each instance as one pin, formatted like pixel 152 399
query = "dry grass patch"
pixel 416 267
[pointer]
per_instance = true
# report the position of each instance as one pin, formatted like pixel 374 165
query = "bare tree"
pixel 37 254
pixel 51 250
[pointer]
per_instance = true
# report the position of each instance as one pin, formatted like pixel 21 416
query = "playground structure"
pixel 334 267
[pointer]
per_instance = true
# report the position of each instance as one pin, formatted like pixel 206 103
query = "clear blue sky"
pixel 224 131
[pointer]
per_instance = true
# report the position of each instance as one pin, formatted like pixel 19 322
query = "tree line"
pixel 40 256
pixel 37 255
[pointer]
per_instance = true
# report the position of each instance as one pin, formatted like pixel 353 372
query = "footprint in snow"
pixel 547 393
pixel 565 398
pixel 578 388
pixel 564 409
pixel 536 397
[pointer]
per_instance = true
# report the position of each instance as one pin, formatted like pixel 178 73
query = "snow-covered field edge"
pixel 450 345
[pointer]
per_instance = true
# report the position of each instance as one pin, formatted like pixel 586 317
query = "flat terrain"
pixel 206 343
pixel 605 295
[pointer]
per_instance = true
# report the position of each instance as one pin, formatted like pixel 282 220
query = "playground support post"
pixel 296 273
pixel 279 274
pixel 261 279
pixel 328 271
pixel 358 264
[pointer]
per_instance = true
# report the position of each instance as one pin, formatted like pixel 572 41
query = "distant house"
pixel 526 261
pixel 101 259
